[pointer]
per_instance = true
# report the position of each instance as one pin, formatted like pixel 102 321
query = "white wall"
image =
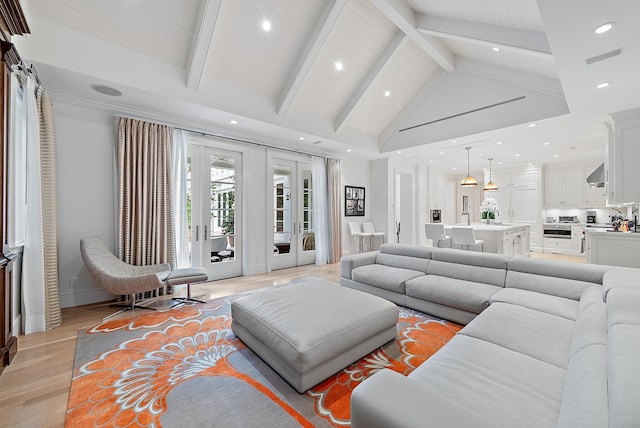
pixel 355 172
pixel 85 194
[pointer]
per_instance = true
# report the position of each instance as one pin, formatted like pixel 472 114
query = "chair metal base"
pixel 188 299
pixel 127 307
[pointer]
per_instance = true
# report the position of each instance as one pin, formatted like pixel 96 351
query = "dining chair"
pixel 368 227
pixel 435 232
pixel 465 237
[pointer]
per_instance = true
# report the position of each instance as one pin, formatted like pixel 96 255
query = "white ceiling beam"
pixel 381 64
pixel 392 127
pixel 200 48
pixel 530 42
pixel 401 14
pixel 317 37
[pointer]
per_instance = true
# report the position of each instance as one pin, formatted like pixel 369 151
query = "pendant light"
pixel 468 181
pixel 490 185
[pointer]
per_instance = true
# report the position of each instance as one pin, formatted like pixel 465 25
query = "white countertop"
pixel 609 232
pixel 490 227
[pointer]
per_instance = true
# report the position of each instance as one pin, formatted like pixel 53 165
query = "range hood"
pixel 596 178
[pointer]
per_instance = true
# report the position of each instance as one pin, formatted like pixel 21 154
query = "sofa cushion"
pixel 408 250
pixel 624 375
pixel 584 396
pixel 469 266
pixel 386 277
pixel 537 334
pixel 623 306
pixel 404 262
pixel 564 279
pixel 554 305
pixel 620 277
pixel 508 388
pixel 592 295
pixel 466 295
pixel 590 328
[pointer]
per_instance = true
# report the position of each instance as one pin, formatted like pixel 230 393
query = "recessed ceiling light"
pixel 517 156
pixel 602 85
pixel 441 153
pixel 496 49
pixel 499 142
pixel 387 93
pixel 106 90
pixel 499 163
pixel 339 66
pixel 603 28
pixel 430 161
pixel 399 152
pixel 480 154
pixel 266 25
pixel 454 141
pixel 233 122
pixel 301 138
pixel 556 156
pixel 531 125
pixel 454 168
pixel 348 150
pixel 546 143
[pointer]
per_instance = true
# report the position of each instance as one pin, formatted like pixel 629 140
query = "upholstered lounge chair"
pixel 120 278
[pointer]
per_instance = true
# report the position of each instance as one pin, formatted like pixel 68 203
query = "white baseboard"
pixel 84 297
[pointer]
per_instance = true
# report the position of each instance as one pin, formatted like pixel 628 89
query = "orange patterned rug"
pixel 185 367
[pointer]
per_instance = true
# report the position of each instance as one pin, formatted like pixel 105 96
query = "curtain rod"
pixel 28 69
pixel 238 140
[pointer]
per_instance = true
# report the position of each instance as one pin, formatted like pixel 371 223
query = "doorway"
pixel 293 239
pixel 214 210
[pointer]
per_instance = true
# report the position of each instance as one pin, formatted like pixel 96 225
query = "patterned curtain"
pixel 334 208
pixel 53 315
pixel 146 226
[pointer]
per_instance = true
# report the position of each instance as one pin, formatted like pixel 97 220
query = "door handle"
pixel 299 227
pixel 197 232
pixel 205 232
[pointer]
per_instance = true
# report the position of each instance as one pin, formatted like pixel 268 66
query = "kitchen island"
pixel 509 239
pixel 606 247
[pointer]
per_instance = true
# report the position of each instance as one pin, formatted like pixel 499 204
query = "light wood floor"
pixel 34 389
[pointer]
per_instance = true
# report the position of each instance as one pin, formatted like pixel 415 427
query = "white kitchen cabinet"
pixel 436 189
pixel 564 187
pixel 567 187
pixel 518 198
pixel 623 154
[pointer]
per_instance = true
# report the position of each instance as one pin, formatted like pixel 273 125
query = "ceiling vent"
pixel 464 113
pixel 106 90
pixel 603 56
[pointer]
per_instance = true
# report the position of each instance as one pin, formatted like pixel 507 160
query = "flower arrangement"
pixel 488 208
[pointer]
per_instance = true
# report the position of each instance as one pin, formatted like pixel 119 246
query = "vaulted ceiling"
pixel 417 74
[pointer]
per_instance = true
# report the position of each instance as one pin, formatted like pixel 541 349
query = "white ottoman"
pixel 313 328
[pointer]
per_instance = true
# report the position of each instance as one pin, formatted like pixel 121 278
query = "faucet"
pixel 468 218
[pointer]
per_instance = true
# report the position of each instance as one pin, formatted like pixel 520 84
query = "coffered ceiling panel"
pixel 508 13
pixel 243 54
pixel 404 78
pixel 357 39
pixel 162 29
pixel 540 65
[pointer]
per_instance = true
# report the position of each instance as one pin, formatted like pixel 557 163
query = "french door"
pixel 214 210
pixel 293 238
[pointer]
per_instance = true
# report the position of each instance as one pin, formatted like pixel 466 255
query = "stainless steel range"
pixel 556 230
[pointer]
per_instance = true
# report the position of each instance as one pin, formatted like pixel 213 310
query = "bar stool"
pixel 355 230
pixel 464 236
pixel 435 232
pixel 368 227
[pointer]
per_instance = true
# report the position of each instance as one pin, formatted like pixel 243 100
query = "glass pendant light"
pixel 490 185
pixel 468 181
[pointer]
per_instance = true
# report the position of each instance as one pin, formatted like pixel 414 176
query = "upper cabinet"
pixel 623 154
pixel 567 187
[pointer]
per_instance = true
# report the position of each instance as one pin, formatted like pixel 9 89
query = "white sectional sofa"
pixel 546 344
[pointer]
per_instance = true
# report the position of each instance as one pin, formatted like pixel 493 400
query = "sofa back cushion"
pixel 404 256
pixel 553 277
pixel 584 396
pixel 469 266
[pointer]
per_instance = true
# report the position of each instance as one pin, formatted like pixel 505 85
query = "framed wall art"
pixel 353 201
